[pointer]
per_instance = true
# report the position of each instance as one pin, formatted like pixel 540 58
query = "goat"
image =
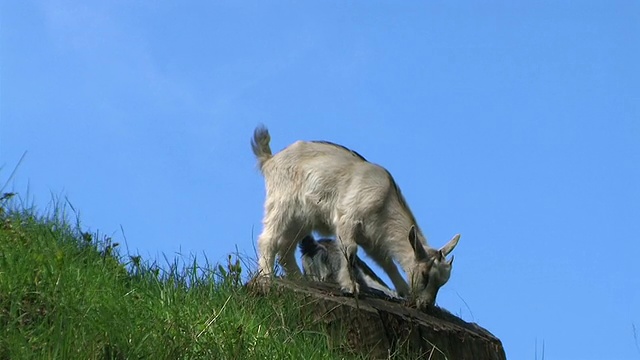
pixel 321 260
pixel 328 188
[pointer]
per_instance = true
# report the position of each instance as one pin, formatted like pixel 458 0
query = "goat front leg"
pixel 389 267
pixel 402 288
pixel 348 248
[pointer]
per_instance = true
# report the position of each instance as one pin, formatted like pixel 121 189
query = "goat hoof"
pixel 352 290
pixel 260 284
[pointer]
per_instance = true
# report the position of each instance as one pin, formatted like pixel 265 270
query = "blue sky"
pixel 516 124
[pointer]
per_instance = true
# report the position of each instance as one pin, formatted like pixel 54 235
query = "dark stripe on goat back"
pixel 353 152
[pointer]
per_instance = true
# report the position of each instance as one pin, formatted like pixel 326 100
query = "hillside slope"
pixel 67 294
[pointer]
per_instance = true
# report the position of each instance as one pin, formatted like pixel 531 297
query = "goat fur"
pixel 332 190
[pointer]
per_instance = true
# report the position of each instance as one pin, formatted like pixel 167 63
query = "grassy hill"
pixel 69 294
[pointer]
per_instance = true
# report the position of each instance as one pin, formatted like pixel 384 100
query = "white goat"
pixel 327 188
pixel 321 261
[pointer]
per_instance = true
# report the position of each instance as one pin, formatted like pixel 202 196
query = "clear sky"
pixel 516 124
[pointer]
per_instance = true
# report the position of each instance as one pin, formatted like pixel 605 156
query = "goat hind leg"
pixel 287 260
pixel 287 246
pixel 266 254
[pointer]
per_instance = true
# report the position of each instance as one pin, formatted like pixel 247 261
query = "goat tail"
pixel 260 145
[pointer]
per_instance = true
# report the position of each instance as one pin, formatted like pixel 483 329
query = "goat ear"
pixel 418 248
pixel 450 245
pixel 450 262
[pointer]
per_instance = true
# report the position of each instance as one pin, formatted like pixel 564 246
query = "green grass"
pixel 68 294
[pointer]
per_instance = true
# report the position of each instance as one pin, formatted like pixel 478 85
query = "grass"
pixel 69 294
